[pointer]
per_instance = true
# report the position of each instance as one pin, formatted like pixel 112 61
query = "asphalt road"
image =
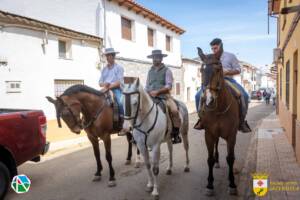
pixel 70 176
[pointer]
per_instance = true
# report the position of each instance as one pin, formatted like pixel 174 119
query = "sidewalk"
pixel 61 138
pixel 275 156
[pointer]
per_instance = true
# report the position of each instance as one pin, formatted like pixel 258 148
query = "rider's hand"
pixel 153 93
pixel 106 86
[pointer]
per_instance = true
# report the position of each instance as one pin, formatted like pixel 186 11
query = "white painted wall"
pixel 80 15
pixel 87 16
pixel 192 79
pixel 138 48
pixel 37 71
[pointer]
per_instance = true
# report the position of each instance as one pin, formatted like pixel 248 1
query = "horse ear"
pixel 202 55
pixel 50 99
pixel 137 82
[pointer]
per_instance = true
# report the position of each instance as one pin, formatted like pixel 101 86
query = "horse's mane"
pixel 81 88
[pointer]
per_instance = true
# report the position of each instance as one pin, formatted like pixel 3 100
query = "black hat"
pixel 216 41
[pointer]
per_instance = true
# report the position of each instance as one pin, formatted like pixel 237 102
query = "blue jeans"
pixel 244 97
pixel 118 96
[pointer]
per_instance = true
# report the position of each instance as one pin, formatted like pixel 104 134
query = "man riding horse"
pixel 159 85
pixel 111 77
pixel 231 67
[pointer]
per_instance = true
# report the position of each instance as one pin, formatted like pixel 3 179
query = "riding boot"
pixel 175 136
pixel 120 126
pixel 244 127
pixel 199 125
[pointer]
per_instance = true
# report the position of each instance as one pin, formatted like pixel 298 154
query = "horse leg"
pixel 145 153
pixel 170 148
pixel 129 154
pixel 107 145
pixel 95 144
pixel 186 148
pixel 210 142
pixel 155 169
pixel 137 158
pixel 217 165
pixel 230 161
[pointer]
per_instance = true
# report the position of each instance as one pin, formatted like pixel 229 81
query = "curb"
pixel 56 146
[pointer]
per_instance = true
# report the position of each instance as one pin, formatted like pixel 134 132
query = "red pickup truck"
pixel 22 138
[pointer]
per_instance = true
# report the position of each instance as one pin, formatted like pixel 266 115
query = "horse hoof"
pixel 209 192
pixel 149 189
pixel 137 165
pixel 111 184
pixel 217 165
pixel 232 191
pixel 186 169
pixel 169 172
pixel 128 162
pixel 96 178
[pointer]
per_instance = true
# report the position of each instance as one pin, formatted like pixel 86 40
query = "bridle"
pixel 128 116
pixel 79 123
pixel 217 89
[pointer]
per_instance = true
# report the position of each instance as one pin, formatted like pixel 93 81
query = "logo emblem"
pixel 20 184
pixel 260 184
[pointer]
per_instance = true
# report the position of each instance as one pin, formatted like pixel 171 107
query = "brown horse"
pixel 220 117
pixel 96 120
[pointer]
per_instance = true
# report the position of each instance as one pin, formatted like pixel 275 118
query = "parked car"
pixel 22 138
pixel 256 95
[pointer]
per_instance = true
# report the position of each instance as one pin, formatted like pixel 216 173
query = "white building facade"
pixel 37 68
pixel 42 60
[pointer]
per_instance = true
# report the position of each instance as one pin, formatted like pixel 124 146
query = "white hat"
pixel 110 51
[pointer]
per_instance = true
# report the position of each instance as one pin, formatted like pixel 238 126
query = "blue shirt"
pixel 230 62
pixel 111 74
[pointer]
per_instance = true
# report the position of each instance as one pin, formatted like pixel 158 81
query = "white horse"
pixel 151 127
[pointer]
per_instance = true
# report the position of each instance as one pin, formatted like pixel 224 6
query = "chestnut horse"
pixel 220 117
pixel 97 121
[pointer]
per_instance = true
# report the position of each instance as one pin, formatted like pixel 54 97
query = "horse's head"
pixel 131 103
pixel 212 76
pixel 69 110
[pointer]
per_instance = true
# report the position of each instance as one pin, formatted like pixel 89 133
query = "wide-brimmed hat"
pixel 110 51
pixel 157 52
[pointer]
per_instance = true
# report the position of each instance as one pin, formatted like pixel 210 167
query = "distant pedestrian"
pixel 273 96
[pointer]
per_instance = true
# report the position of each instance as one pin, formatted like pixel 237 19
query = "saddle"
pixel 117 120
pixel 235 91
pixel 161 102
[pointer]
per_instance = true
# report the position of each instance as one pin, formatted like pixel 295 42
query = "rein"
pixel 85 125
pixel 218 89
pixel 138 126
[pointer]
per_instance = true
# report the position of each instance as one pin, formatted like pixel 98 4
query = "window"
pixel 13 86
pixel 188 93
pixel 287 84
pixel 64 49
pixel 168 43
pixel 126 28
pixel 150 37
pixel 295 60
pixel 61 85
pixel 177 88
pixel 280 83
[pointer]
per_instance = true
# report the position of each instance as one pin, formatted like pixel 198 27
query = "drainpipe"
pixel 104 24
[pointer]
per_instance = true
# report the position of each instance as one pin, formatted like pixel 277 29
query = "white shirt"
pixel 230 62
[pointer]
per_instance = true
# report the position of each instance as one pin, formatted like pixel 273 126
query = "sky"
pixel 241 24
